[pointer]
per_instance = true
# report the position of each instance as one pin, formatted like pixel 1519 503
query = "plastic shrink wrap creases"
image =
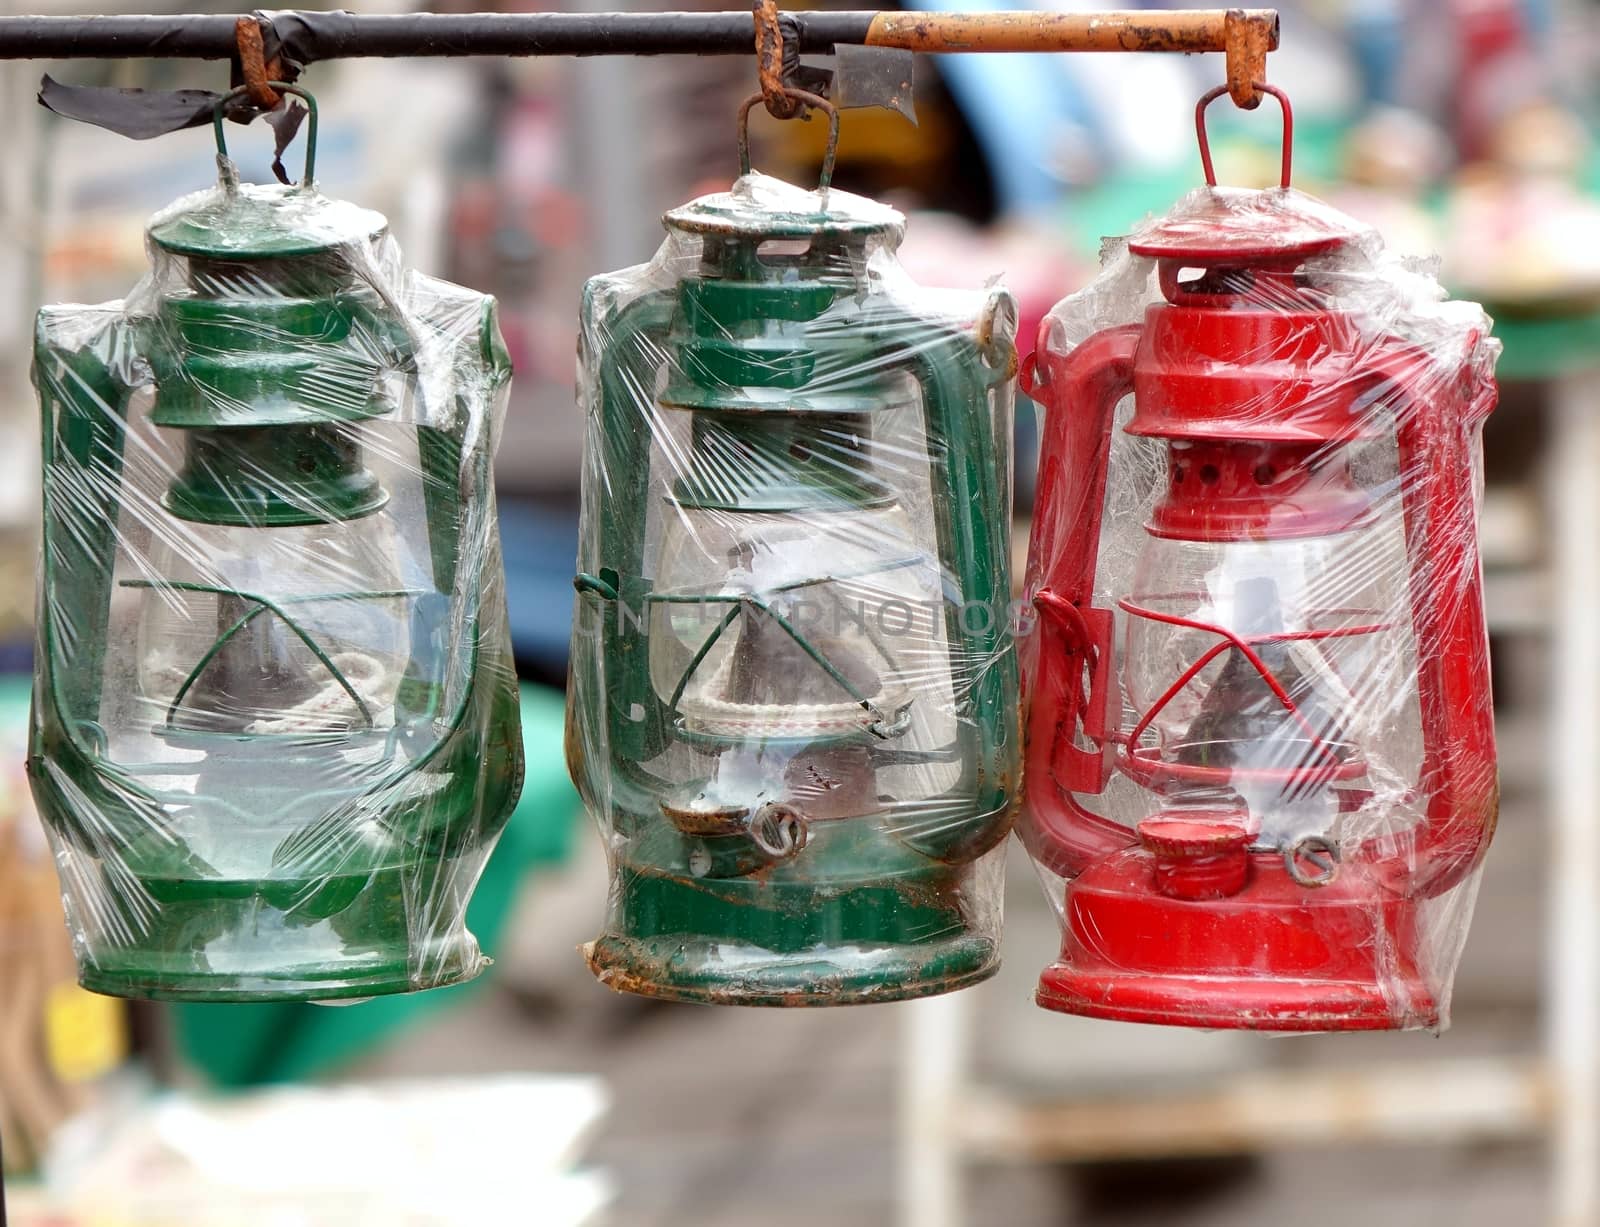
pixel 1261 763
pixel 275 730
pixel 793 701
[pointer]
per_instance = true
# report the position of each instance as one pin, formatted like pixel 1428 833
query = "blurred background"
pixel 1460 127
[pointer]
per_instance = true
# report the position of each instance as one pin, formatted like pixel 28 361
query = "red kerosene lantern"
pixel 1260 742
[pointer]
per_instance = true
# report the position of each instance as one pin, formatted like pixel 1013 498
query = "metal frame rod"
pixel 307 38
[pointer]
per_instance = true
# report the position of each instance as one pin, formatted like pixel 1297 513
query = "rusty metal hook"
pixel 801 99
pixel 770 61
pixel 1246 39
pixel 258 73
pixel 1210 96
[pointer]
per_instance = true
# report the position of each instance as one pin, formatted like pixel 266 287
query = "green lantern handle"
pixel 830 152
pixel 284 87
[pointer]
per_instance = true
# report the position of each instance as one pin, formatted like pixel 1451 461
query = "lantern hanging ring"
pixel 1210 96
pixel 825 178
pixel 283 87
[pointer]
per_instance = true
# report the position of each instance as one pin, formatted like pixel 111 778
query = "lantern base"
pixel 1232 1003
pixel 235 990
pixel 333 939
pixel 339 982
pixel 762 941
pixel 1276 956
pixel 721 973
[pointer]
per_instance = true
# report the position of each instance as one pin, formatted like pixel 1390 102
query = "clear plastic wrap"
pixel 1261 771
pixel 793 701
pixel 275 730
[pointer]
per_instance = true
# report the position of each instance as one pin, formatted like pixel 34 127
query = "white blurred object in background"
pixel 441 1153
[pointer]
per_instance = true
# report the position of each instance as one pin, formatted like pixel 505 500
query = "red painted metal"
pixel 1245 372
pixel 1274 956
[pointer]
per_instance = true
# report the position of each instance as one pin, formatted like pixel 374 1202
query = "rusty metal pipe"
pixel 1140 30
pixel 308 37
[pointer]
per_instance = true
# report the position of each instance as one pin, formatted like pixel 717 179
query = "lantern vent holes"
pixel 818 257
pixel 1211 281
pixel 293 277
pixel 780 252
pixel 1226 490
pixel 1280 288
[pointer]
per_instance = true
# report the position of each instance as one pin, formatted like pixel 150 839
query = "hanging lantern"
pixel 275 728
pixel 793 696
pixel 1260 741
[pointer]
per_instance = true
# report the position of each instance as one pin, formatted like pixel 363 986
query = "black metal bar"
pixel 309 37
pixel 306 38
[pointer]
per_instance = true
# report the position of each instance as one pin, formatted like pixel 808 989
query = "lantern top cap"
pixel 761 207
pixel 1243 226
pixel 262 222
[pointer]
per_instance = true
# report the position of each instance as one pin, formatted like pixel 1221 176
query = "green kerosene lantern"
pixel 793 701
pixel 275 728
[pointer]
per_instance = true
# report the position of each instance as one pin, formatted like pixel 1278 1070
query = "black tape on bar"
pixel 137 113
pixel 144 114
pixel 307 38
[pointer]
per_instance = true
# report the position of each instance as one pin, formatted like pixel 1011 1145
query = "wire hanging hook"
pixel 802 99
pixel 1210 96
pixel 783 101
pixel 221 107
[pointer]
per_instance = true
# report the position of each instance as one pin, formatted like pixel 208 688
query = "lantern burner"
pixel 1264 724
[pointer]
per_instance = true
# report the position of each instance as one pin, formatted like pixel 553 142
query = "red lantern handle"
pixel 1080 391
pixel 1459 773
pixel 1211 96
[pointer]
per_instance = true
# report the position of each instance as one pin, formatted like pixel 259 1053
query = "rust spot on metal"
pixel 623 967
pixel 1247 39
pixel 253 65
pixel 781 103
pixel 1148 30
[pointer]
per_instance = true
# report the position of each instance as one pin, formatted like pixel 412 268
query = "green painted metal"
pixel 273 476
pixel 220 110
pixel 361 894
pixel 762 354
pixel 273 342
